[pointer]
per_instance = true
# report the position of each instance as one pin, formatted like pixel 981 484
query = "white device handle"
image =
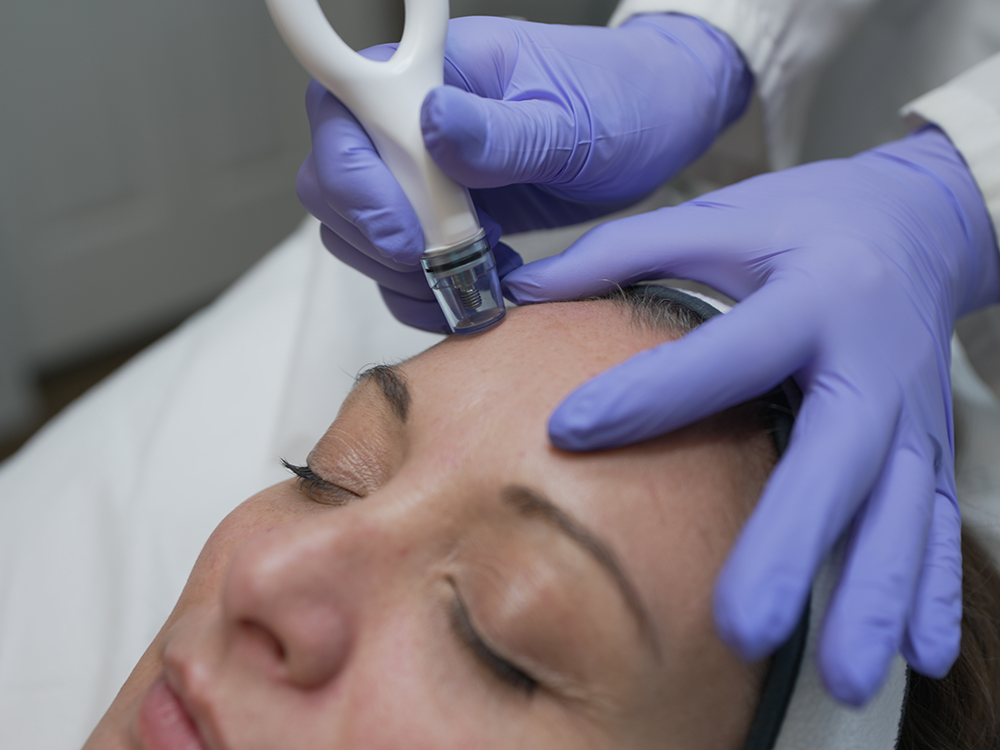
pixel 386 98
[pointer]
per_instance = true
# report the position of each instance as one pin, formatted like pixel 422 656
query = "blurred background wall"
pixel 148 153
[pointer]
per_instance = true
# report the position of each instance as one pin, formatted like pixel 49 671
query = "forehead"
pixel 540 353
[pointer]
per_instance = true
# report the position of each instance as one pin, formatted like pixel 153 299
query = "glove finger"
pixel 420 314
pixel 934 631
pixel 727 360
pixel 486 143
pixel 355 182
pixel 344 240
pixel 828 470
pixel 688 242
pixel 307 188
pixel 411 284
pixel 867 616
pixel 507 259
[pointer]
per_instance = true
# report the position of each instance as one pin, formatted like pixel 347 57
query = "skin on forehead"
pixel 438 509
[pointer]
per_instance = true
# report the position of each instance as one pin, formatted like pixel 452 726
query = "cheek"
pixel 399 689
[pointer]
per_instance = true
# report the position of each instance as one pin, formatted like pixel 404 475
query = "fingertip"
pixel 520 287
pixel 543 281
pixel 934 630
pixel 423 314
pixel 507 259
pixel 614 253
pixel 854 664
pixel 754 620
pixel 625 404
pixel 570 429
pixel 932 648
pixel 592 418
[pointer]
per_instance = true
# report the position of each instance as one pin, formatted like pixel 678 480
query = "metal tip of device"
pixel 471 298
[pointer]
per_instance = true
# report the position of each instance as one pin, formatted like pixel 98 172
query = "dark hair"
pixel 651 307
pixel 961 711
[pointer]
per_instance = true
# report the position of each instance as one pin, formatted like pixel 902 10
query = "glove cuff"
pixel 974 261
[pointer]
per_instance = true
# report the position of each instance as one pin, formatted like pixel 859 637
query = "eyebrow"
pixel 532 504
pixel 390 380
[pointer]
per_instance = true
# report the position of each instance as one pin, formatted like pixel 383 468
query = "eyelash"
pixel 500 667
pixel 319 489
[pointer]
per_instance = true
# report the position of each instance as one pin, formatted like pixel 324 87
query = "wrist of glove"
pixel 970 256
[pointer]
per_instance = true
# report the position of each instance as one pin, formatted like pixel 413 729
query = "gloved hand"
pixel 851 275
pixel 563 124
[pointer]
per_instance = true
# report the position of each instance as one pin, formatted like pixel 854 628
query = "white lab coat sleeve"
pixel 786 43
pixel 967 108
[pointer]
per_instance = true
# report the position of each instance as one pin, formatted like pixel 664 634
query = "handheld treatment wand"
pixel 386 98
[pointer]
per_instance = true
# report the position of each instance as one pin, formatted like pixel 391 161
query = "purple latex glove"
pixel 563 124
pixel 851 275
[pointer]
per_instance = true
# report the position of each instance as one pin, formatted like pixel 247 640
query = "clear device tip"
pixel 466 284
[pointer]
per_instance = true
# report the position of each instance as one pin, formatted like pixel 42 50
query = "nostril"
pixel 263 639
pixel 299 640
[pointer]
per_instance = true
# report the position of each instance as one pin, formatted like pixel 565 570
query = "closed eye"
pixel 318 489
pixel 496 664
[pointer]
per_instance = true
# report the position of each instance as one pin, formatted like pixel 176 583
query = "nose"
pixel 291 599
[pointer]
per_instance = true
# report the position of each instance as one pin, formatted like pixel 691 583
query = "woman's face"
pixel 447 579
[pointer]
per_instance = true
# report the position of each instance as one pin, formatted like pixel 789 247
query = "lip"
pixel 164 722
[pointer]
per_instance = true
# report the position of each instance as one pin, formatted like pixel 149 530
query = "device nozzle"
pixel 466 284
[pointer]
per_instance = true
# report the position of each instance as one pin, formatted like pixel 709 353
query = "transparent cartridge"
pixel 465 282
